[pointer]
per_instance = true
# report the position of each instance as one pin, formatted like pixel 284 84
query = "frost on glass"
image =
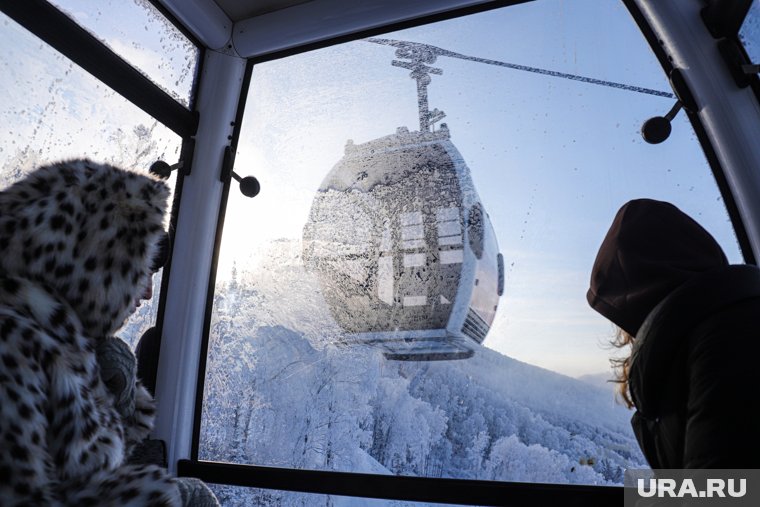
pixel 52 110
pixel 141 35
pixel 339 266
pixel 749 33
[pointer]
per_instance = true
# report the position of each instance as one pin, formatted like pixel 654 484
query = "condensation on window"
pixel 52 110
pixel 359 322
pixel 141 35
pixel 749 33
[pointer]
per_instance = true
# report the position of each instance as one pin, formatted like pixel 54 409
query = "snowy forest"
pixel 281 390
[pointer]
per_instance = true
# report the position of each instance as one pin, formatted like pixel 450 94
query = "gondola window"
pixel 407 293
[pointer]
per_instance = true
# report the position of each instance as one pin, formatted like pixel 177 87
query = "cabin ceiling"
pixel 255 28
pixel 238 10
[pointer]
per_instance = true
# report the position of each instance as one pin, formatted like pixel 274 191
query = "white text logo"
pixel 716 488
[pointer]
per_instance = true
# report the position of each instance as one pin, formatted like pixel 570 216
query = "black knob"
pixel 161 169
pixel 250 186
pixel 656 130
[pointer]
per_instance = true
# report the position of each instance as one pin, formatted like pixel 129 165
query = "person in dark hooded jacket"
pixel 693 322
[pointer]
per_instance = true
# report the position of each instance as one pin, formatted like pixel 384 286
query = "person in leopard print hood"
pixel 76 243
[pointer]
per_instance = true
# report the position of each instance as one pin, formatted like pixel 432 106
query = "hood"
pixel 87 232
pixel 650 250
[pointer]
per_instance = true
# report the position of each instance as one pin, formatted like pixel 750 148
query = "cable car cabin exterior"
pixel 485 381
pixel 406 256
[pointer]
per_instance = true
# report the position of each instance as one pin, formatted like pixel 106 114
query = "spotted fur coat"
pixel 76 240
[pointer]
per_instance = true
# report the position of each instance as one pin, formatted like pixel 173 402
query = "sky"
pixel 551 159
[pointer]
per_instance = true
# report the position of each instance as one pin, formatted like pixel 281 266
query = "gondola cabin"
pixel 405 254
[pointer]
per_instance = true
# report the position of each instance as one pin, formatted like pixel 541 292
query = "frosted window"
pixel 53 110
pixel 749 33
pixel 141 35
pixel 308 331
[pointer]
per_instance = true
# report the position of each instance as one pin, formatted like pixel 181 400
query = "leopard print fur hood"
pixel 88 232
pixel 76 240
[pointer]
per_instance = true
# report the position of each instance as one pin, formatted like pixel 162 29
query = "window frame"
pixel 405 488
pixel 395 487
pixel 424 489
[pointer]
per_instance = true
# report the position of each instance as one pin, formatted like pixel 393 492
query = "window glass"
pixel 350 303
pixel 749 33
pixel 141 35
pixel 52 110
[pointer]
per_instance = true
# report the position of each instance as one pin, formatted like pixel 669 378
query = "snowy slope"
pixel 281 392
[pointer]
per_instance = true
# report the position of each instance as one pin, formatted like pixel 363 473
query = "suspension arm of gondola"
pixel 421 74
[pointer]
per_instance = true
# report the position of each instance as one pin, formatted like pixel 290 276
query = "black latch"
pixel 249 186
pixel 164 170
